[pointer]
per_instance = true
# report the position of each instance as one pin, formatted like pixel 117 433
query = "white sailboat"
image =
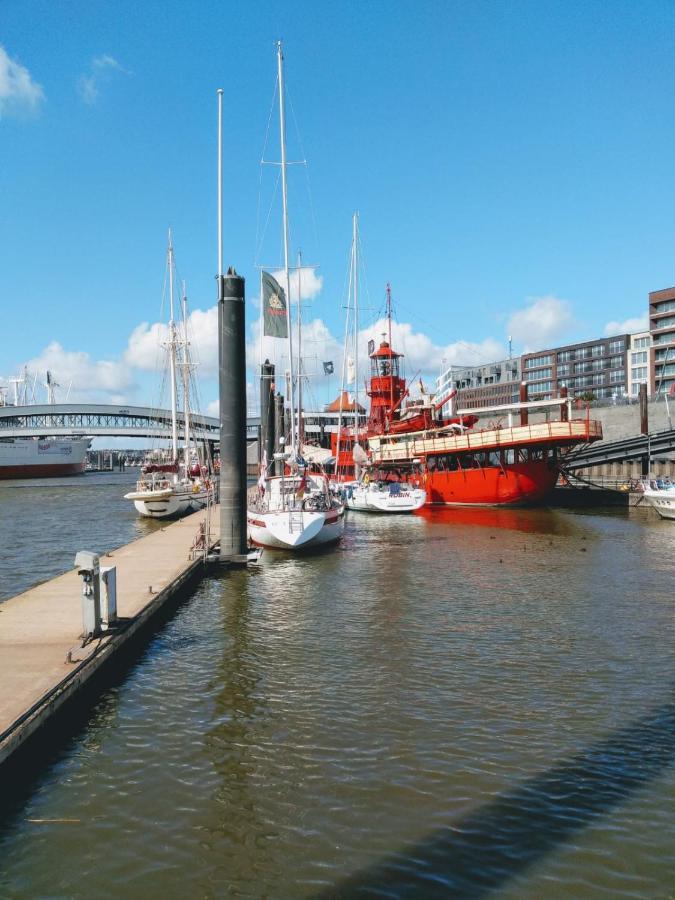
pixel 183 484
pixel 367 493
pixel 296 509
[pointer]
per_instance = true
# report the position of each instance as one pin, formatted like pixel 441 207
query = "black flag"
pixel 371 348
pixel 328 368
pixel 274 307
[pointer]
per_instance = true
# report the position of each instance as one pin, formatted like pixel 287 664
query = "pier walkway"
pixel 42 662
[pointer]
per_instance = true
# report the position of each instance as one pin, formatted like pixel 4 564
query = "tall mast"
pixel 172 355
pixel 299 321
pixel 186 381
pixel 355 259
pixel 391 359
pixel 284 202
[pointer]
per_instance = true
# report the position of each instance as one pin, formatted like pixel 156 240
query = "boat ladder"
pixel 295 523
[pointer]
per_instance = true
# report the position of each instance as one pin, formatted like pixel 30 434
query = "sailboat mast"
pixel 284 202
pixel 172 356
pixel 391 358
pixel 355 255
pixel 186 380
pixel 299 320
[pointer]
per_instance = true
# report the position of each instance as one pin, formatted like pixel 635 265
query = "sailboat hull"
pixel 279 531
pixel 168 504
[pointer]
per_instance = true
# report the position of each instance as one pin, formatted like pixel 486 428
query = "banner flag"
pixel 328 368
pixel 274 307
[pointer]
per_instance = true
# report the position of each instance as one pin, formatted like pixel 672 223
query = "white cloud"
pixel 80 377
pixel 18 92
pixel 99 73
pixel 628 326
pixel 542 323
pixel 310 283
pixel 144 350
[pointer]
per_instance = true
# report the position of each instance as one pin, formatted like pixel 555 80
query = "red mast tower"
pixel 386 386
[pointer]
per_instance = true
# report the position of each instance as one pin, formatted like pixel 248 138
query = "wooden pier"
pixel 43 664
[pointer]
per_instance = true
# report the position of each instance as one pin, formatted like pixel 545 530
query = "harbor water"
pixel 460 703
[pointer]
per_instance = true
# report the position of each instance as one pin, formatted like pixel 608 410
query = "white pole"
pixel 186 381
pixel 355 253
pixel 172 356
pixel 299 322
pixel 284 201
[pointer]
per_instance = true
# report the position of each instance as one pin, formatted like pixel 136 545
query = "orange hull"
pixel 512 485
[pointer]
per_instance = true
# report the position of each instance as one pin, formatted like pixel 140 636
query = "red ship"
pixel 456 462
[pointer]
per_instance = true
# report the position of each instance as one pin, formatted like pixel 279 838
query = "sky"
pixel 511 164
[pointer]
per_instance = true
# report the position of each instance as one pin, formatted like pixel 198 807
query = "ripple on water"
pixel 419 712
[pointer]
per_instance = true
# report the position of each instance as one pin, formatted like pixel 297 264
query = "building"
pixel 662 351
pixel 595 369
pixel 638 363
pixel 487 385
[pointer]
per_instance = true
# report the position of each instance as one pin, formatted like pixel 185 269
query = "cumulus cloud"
pixel 18 92
pixel 144 349
pixel 628 326
pixel 101 70
pixel 82 378
pixel 542 323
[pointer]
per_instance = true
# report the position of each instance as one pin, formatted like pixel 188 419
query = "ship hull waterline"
pixel 512 485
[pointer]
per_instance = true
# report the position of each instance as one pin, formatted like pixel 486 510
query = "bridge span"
pixel 104 420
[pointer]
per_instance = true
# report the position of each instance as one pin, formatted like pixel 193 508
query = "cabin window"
pixel 536 455
pixel 493 458
pixel 508 457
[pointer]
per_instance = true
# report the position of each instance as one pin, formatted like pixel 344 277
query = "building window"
pixel 617 346
pixel 540 373
pixel 565 356
pixel 617 376
pixel 564 369
pixel 640 343
pixel 668 338
pixel 637 358
pixel 639 373
pixel 664 306
pixel 598 350
pixel 616 362
pixel 535 361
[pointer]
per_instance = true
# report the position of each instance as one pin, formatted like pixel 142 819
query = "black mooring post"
pixel 279 431
pixel 232 378
pixel 266 411
pixel 644 427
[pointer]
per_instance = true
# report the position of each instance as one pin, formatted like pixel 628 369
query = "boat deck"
pixel 42 662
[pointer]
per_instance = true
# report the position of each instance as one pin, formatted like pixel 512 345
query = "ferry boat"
pixel 453 460
pixel 42 457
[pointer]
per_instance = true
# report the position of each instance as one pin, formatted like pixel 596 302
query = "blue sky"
pixel 512 165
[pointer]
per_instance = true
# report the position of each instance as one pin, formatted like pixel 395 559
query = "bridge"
pixel 103 420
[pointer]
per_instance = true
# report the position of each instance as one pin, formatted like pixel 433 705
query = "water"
pixel 456 704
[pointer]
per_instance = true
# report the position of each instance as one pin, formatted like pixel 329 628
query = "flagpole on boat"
pixel 284 202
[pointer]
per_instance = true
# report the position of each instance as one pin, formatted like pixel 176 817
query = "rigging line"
pixel 308 180
pixel 267 220
pixel 258 237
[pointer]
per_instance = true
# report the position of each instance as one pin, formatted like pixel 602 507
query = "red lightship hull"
pixel 516 485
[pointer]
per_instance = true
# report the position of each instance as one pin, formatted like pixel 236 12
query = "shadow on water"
pixel 480 853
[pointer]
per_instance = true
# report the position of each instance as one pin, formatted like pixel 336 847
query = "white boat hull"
pixel 367 499
pixel 168 504
pixel 663 501
pixel 42 457
pixel 284 531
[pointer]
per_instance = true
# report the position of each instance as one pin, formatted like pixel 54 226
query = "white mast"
pixel 284 201
pixel 186 380
pixel 299 322
pixel 171 345
pixel 355 257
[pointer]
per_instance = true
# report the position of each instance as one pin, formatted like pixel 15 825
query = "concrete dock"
pixel 43 664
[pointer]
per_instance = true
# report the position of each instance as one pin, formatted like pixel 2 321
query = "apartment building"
pixel 662 350
pixel 597 368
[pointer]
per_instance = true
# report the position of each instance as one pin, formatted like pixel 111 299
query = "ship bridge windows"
pixel 384 366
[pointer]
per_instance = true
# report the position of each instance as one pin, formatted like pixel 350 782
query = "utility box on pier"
pixel 108 595
pixel 87 565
